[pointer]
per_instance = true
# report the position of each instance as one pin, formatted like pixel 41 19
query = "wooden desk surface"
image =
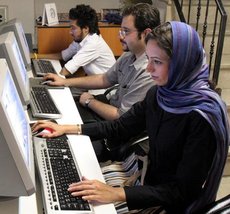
pixel 67 25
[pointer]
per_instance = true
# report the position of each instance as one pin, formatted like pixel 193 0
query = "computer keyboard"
pixel 57 169
pixel 42 104
pixel 42 67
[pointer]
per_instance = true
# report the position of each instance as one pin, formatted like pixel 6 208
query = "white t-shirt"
pixel 92 53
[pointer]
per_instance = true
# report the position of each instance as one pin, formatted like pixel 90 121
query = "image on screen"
pixel 19 62
pixel 16 148
pixel 10 51
pixel 16 116
pixel 27 50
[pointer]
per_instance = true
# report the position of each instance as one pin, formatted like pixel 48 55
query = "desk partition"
pixel 56 38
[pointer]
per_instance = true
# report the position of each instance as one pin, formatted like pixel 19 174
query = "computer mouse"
pixel 40 132
pixel 46 82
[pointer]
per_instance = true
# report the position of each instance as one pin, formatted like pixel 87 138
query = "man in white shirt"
pixel 93 54
pixel 88 50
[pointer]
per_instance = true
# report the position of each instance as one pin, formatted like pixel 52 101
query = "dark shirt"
pixel 182 148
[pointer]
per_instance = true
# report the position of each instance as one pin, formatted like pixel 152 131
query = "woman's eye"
pixel 157 62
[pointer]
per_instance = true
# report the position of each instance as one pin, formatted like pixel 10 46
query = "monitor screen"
pixel 15 26
pixel 10 51
pixel 16 153
pixel 12 106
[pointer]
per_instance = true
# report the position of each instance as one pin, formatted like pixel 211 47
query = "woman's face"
pixel 158 64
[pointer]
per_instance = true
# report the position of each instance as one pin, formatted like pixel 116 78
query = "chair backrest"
pixel 209 18
pixel 220 206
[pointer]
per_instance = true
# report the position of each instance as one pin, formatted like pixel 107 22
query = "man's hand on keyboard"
pixel 94 190
pixel 56 80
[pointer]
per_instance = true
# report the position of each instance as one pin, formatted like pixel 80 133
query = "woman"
pixel 187 126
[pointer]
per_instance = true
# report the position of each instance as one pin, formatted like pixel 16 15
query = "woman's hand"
pixel 94 190
pixel 57 130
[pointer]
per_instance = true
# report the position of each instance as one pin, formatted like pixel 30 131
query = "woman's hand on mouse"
pixel 55 80
pixel 57 130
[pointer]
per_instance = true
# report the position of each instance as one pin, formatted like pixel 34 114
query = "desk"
pixel 85 158
pixel 56 38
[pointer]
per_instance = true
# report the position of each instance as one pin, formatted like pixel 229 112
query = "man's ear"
pixel 86 30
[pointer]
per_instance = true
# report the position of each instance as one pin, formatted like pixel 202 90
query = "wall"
pixel 64 6
pixel 23 10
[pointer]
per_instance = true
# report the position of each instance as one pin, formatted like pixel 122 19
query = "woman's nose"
pixel 150 68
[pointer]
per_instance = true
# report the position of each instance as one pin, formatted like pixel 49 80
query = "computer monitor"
pixel 16 153
pixel 9 50
pixel 15 25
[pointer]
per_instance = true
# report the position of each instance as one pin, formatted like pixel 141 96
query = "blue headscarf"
pixel 188 90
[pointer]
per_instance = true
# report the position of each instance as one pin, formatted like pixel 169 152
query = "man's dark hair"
pixel 146 16
pixel 85 17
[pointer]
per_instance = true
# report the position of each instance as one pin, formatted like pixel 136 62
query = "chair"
pixel 221 206
pixel 137 144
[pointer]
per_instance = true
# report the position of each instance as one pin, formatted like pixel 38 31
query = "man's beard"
pixel 78 40
pixel 124 46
